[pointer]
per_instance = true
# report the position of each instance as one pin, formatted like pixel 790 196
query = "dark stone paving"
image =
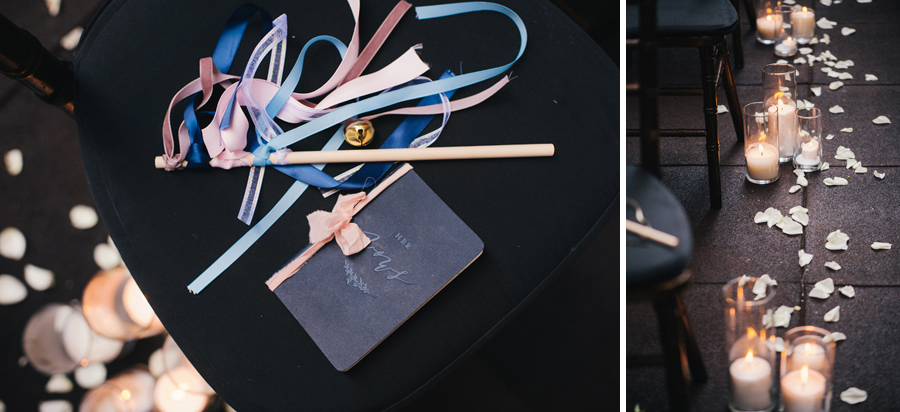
pixel 728 243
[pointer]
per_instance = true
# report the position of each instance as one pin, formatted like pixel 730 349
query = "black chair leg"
pixel 734 103
pixel 674 355
pixel 708 73
pixel 737 38
pixel 751 13
pixel 695 360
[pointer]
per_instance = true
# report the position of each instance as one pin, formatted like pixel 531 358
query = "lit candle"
pixel 808 354
pixel 809 153
pixel 785 114
pixel 751 378
pixel 803 24
pixel 762 160
pixel 766 26
pixel 177 391
pixel 787 47
pixel 131 391
pixel 803 390
pixel 136 305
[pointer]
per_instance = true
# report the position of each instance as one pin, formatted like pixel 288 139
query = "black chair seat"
pixel 533 215
pixel 649 263
pixel 687 18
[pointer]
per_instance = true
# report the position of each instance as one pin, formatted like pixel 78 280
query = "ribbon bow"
pixel 323 226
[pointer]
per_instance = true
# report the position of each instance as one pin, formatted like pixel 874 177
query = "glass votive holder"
pixel 768 20
pixel 181 388
pixel 58 339
pixel 808 147
pixel 760 143
pixel 115 307
pixel 129 391
pixel 803 24
pixel 780 90
pixel 785 44
pixel 807 370
pixel 750 341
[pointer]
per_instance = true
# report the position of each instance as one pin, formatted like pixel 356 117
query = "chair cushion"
pixel 533 215
pixel 687 18
pixel 649 263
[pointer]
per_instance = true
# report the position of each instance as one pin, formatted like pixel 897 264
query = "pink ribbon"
pixel 324 226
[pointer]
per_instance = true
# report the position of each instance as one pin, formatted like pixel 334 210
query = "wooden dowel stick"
pixel 648 232
pixel 408 155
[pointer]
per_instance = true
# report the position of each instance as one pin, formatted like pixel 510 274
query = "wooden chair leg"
pixel 708 75
pixel 674 354
pixel 734 103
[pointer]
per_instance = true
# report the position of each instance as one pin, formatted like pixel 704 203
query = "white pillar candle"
pixel 808 354
pixel 766 26
pixel 809 153
pixel 785 114
pixel 803 24
pixel 762 161
pixel 803 390
pixel 751 379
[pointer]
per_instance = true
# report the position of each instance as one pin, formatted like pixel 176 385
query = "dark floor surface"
pixel 728 244
pixel 543 360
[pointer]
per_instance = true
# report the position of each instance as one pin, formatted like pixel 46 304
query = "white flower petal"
pixel 721 109
pixel 56 405
pixel 847 130
pixel 781 61
pixel 825 2
pixel 837 240
pixel 825 69
pixel 871 78
pixel 809 104
pixel 761 285
pixel 881 120
pixel 829 137
pixel 12 243
pixel 53 7
pixel 792 228
pixel 59 383
pixel 878 175
pixel 845 76
pixel 826 285
pixel 83 217
pixel 38 278
pixel 838 336
pixel 774 216
pixel 825 166
pixel 881 246
pixel 835 85
pixel 834 74
pixel 833 265
pixel 782 316
pixel 70 40
pixel 805 258
pixel 819 294
pixel 744 280
pixel 836 109
pixel 848 291
pixel 805 50
pixel 814 40
pixel 799 60
pixel 846 31
pixel 833 315
pixel 801 180
pixel 835 181
pixel 760 217
pixel 816 90
pixel 825 38
pixel 795 189
pixel 799 173
pixel 106 256
pixel 852 163
pixel 860 170
pixel 825 24
pixel 14 162
pixel 801 217
pixel 843 153
pixel 854 396
pixel 12 290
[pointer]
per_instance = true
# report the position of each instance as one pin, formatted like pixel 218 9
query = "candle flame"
pixel 751 333
pixel 178 394
pixel 789 38
pixel 807 347
pixel 84 362
pixel 780 104
pixel 749 357
pixel 760 150
pixel 125 395
pixel 804 373
pixel 769 17
pixel 804 8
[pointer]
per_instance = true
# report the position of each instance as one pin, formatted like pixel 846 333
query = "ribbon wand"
pixel 404 155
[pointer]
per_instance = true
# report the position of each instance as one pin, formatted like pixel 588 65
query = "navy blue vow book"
pixel 350 304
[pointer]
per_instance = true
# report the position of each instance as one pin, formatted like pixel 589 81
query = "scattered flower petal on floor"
pixel 761 285
pixel 837 240
pixel 801 217
pixel 805 258
pixel 833 265
pixel 881 246
pixel 825 2
pixel 819 294
pixel 14 162
pixel 848 291
pixel 801 180
pixel 799 60
pixel 83 217
pixel 835 181
pixel 12 243
pixel 59 383
pixel 845 76
pixel 854 395
pixel 846 31
pixel 859 169
pixel 805 50
pixel 852 163
pixel 833 315
pixel 878 175
pixel 835 85
pixel 744 279
pixel 844 153
pixel 795 189
pixel 791 227
pixel 881 120
pixel 825 165
pixel 829 137
pixel 836 109
pixel 39 279
pixel 871 78
pixel 838 336
pixel 12 290
pixel 53 7
pixel 721 109
pixel 70 40
pixel 826 285
pixel 816 90
pixel 847 130
pixel 55 405
pixel 90 376
pixel 825 38
pixel 825 24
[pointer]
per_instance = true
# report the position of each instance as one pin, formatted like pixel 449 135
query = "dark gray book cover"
pixel 350 304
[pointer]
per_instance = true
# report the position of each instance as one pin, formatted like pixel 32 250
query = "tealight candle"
pixel 808 354
pixel 751 379
pixel 767 27
pixel 803 390
pixel 809 153
pixel 803 24
pixel 787 47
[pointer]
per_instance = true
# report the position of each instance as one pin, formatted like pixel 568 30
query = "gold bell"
pixel 359 133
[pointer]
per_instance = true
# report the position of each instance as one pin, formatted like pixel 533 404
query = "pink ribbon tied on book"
pixel 324 226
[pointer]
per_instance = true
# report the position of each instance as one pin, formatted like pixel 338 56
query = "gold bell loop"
pixel 359 133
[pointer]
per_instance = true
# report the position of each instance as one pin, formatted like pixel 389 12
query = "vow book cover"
pixel 349 304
